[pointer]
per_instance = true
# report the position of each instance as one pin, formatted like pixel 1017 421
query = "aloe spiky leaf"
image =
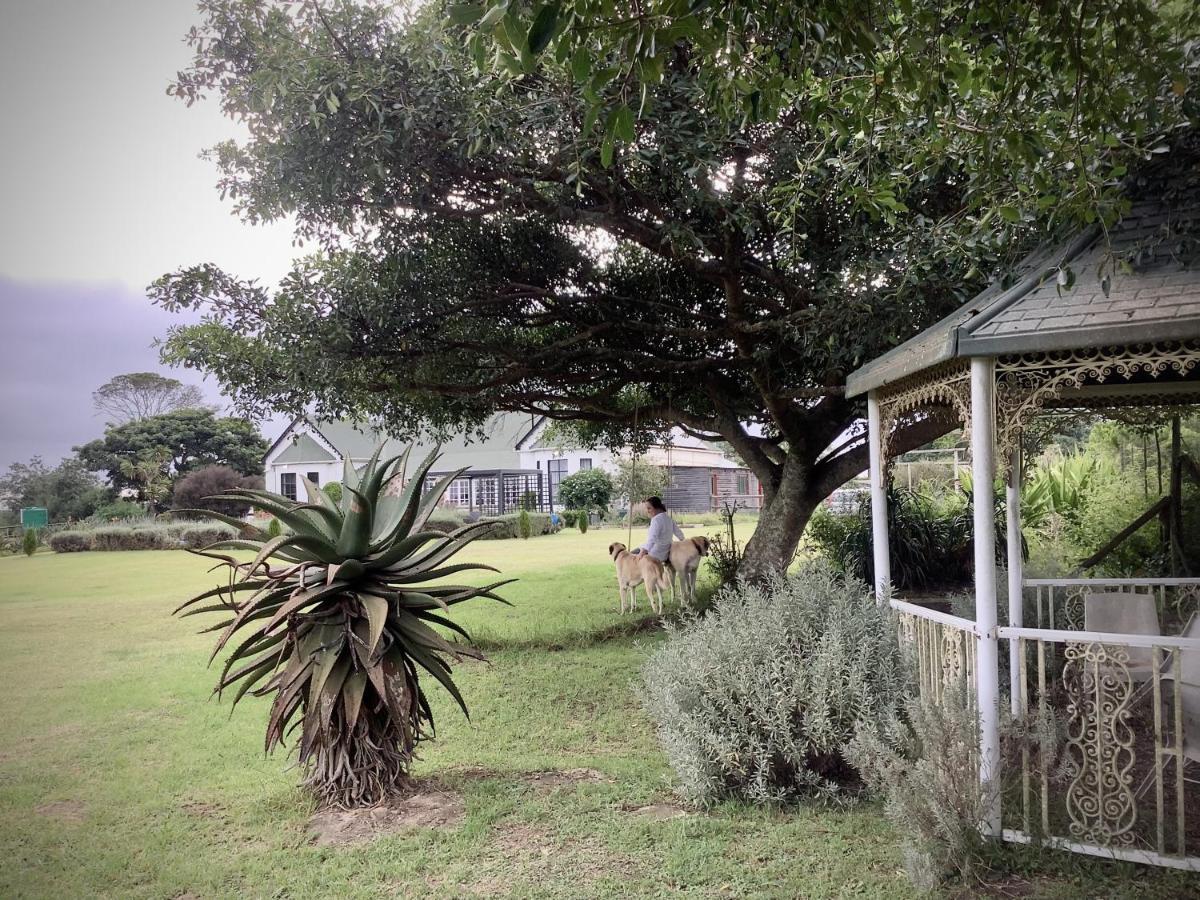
pixel 337 621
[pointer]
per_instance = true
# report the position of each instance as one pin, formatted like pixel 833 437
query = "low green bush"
pixel 569 517
pixel 508 526
pixel 929 539
pixel 29 541
pixel 70 541
pixel 119 510
pixel 759 699
pixel 199 536
pixel 524 525
pixel 446 519
pixel 156 536
pixel 143 537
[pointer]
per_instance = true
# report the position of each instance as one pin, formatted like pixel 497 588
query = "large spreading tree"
pixel 147 454
pixel 139 395
pixel 512 217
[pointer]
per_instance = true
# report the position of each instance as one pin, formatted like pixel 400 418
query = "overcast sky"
pixel 102 191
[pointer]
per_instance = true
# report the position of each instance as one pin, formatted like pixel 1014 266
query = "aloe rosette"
pixel 339 619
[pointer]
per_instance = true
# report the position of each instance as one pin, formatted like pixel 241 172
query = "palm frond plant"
pixel 337 620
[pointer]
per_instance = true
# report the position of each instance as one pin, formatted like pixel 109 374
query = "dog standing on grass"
pixel 685 564
pixel 641 568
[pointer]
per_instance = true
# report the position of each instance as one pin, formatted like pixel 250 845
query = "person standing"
pixel 663 529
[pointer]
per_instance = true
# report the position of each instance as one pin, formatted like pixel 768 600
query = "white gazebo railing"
pixel 1103 754
pixel 1105 773
pixel 1059 601
pixel 942 649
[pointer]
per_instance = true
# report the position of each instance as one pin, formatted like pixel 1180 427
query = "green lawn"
pixel 119 777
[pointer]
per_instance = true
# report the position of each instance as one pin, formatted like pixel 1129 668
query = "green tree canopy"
pixel 482 250
pixel 637 479
pixel 590 490
pixel 185 439
pixel 1035 103
pixel 67 491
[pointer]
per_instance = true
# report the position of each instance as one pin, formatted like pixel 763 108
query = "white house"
pixel 513 458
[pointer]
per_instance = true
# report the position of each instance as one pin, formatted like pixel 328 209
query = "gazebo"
pixel 1105 324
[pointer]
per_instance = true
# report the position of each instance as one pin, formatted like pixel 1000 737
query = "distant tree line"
pixel 163 448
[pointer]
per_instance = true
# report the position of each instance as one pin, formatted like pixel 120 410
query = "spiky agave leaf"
pixel 338 620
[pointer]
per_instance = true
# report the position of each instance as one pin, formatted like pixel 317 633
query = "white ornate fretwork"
pixel 942 391
pixel 1030 382
pixel 1100 756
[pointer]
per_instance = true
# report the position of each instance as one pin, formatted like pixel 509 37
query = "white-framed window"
pixel 556 469
pixel 585 463
pixel 459 492
pixel 315 478
pixel 485 493
pixel 287 484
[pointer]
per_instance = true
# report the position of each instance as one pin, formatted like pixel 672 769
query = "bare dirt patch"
pixel 657 812
pixel 558 778
pixel 429 808
pixel 71 812
pixel 517 839
pixel 203 810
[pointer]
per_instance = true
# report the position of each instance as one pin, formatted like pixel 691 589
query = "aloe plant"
pixel 338 619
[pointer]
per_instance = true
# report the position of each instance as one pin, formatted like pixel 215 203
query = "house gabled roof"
pixel 497 449
pixel 311 431
pixel 305 448
pixel 1154 295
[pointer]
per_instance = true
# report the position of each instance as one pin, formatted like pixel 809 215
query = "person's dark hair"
pixel 656 503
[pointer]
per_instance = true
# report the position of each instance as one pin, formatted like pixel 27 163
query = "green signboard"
pixel 35 517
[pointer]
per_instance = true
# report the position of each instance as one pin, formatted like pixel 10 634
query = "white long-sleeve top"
pixel 658 539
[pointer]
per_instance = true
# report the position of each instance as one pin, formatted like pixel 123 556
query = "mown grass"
pixel 120 778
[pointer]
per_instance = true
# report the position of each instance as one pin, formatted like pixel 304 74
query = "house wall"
pixel 706 488
pixel 739 485
pixel 689 489
pixel 696 472
pixel 302 456
pixel 327 472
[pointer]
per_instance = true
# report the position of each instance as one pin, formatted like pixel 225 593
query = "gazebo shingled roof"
pixel 1158 300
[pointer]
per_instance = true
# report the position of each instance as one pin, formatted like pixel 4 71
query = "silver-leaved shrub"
pixel 758 699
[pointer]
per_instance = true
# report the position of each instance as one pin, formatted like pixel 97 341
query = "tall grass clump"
pixel 759 699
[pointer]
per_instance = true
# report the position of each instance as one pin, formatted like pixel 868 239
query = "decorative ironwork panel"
pixel 942 656
pixel 1028 383
pixel 1100 756
pixel 942 391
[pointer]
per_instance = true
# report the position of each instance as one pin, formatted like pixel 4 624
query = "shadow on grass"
pixel 576 640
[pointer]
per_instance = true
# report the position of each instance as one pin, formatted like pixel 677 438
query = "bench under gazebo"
pixel 1090 327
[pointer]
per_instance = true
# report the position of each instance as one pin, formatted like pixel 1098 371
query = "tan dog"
pixel 640 568
pixel 685 564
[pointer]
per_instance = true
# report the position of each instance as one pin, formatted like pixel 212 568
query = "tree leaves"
pixel 542 29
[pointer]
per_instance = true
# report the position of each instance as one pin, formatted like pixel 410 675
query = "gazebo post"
pixel 879 511
pixel 987 661
pixel 1016 576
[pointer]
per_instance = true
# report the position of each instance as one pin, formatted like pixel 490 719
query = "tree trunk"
pixel 785 513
